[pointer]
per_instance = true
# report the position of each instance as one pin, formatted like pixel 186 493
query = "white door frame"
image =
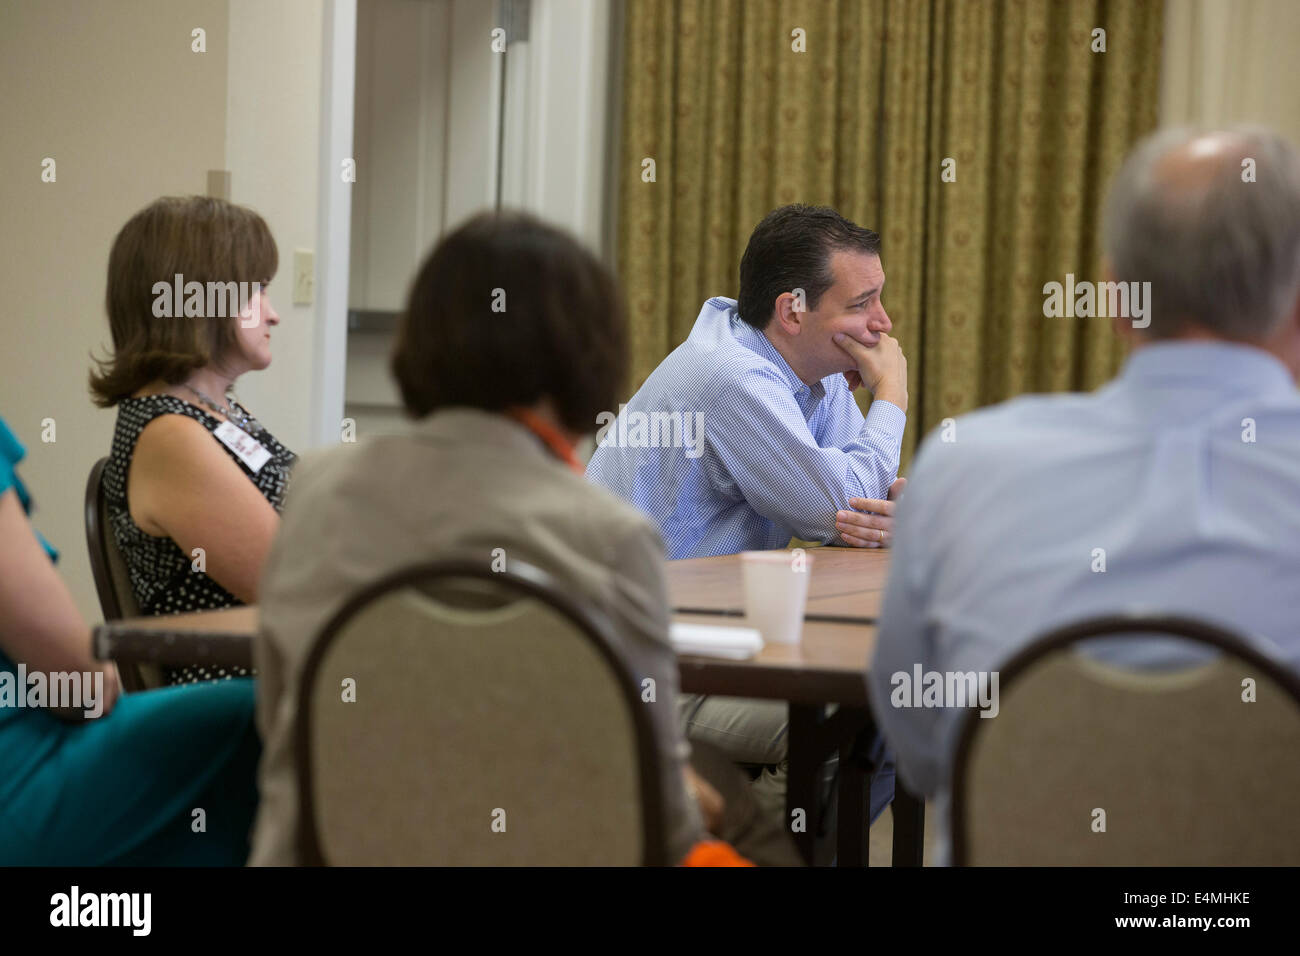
pixel 334 221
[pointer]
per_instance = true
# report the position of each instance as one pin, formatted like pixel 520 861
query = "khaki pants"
pixel 757 836
pixel 754 734
pixel 751 733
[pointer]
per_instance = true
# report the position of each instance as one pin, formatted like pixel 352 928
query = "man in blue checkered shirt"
pixel 748 434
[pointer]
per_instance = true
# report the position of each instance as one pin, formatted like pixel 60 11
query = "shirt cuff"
pixel 884 416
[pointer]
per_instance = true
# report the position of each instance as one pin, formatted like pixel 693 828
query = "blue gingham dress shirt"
pixel 776 458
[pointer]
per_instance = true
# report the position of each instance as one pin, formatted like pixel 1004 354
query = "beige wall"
pixel 1232 61
pixel 273 154
pixel 113 93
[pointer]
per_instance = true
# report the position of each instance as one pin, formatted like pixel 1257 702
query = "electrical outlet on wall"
pixel 304 276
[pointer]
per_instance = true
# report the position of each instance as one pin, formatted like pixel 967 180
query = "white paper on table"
pixel 711 640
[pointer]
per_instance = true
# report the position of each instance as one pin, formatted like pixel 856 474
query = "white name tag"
pixel 250 451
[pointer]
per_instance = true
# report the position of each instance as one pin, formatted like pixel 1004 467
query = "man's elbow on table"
pixel 869 522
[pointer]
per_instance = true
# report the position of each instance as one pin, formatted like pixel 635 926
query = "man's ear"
pixel 788 313
pixel 1121 325
pixel 1286 340
pixel 1293 317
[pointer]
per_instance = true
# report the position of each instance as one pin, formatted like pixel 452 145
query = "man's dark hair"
pixel 506 311
pixel 791 249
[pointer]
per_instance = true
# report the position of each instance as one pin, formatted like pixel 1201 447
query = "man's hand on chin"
pixel 881 367
pixel 871 524
pixel 853 376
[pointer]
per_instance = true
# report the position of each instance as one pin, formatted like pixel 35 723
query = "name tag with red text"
pixel 250 451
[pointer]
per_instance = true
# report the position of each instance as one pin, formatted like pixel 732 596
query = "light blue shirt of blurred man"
pixel 1175 488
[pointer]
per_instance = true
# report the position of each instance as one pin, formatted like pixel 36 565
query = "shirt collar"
pixel 1221 365
pixel 754 340
pixel 463 424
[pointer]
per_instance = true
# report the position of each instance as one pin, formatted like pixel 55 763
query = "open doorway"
pixel 459 106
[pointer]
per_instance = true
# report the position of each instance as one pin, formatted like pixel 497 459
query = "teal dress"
pixel 122 789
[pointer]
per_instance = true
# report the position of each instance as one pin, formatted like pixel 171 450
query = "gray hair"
pixel 1219 252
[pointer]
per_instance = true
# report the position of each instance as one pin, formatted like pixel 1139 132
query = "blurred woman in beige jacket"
pixel 499 397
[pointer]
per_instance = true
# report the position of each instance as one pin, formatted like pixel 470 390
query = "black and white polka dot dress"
pixel 162 575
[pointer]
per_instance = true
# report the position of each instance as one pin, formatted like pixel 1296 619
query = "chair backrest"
pixel 112 580
pixel 1086 763
pixel 453 715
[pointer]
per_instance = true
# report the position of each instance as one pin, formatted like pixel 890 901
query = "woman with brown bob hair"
pixel 194 483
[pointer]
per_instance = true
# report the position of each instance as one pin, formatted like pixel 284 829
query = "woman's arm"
pixel 182 485
pixel 40 625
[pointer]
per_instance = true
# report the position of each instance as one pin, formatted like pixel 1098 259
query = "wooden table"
pixel 845 584
pixel 221 638
pixel 828 666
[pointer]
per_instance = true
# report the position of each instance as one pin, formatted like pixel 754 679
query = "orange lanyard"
pixel 550 436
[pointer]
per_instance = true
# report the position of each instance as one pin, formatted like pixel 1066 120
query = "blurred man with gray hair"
pixel 1175 487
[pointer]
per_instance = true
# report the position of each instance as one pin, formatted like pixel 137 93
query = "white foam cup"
pixel 776 591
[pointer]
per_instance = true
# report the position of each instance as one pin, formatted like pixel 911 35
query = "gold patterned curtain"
pixel 744 105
